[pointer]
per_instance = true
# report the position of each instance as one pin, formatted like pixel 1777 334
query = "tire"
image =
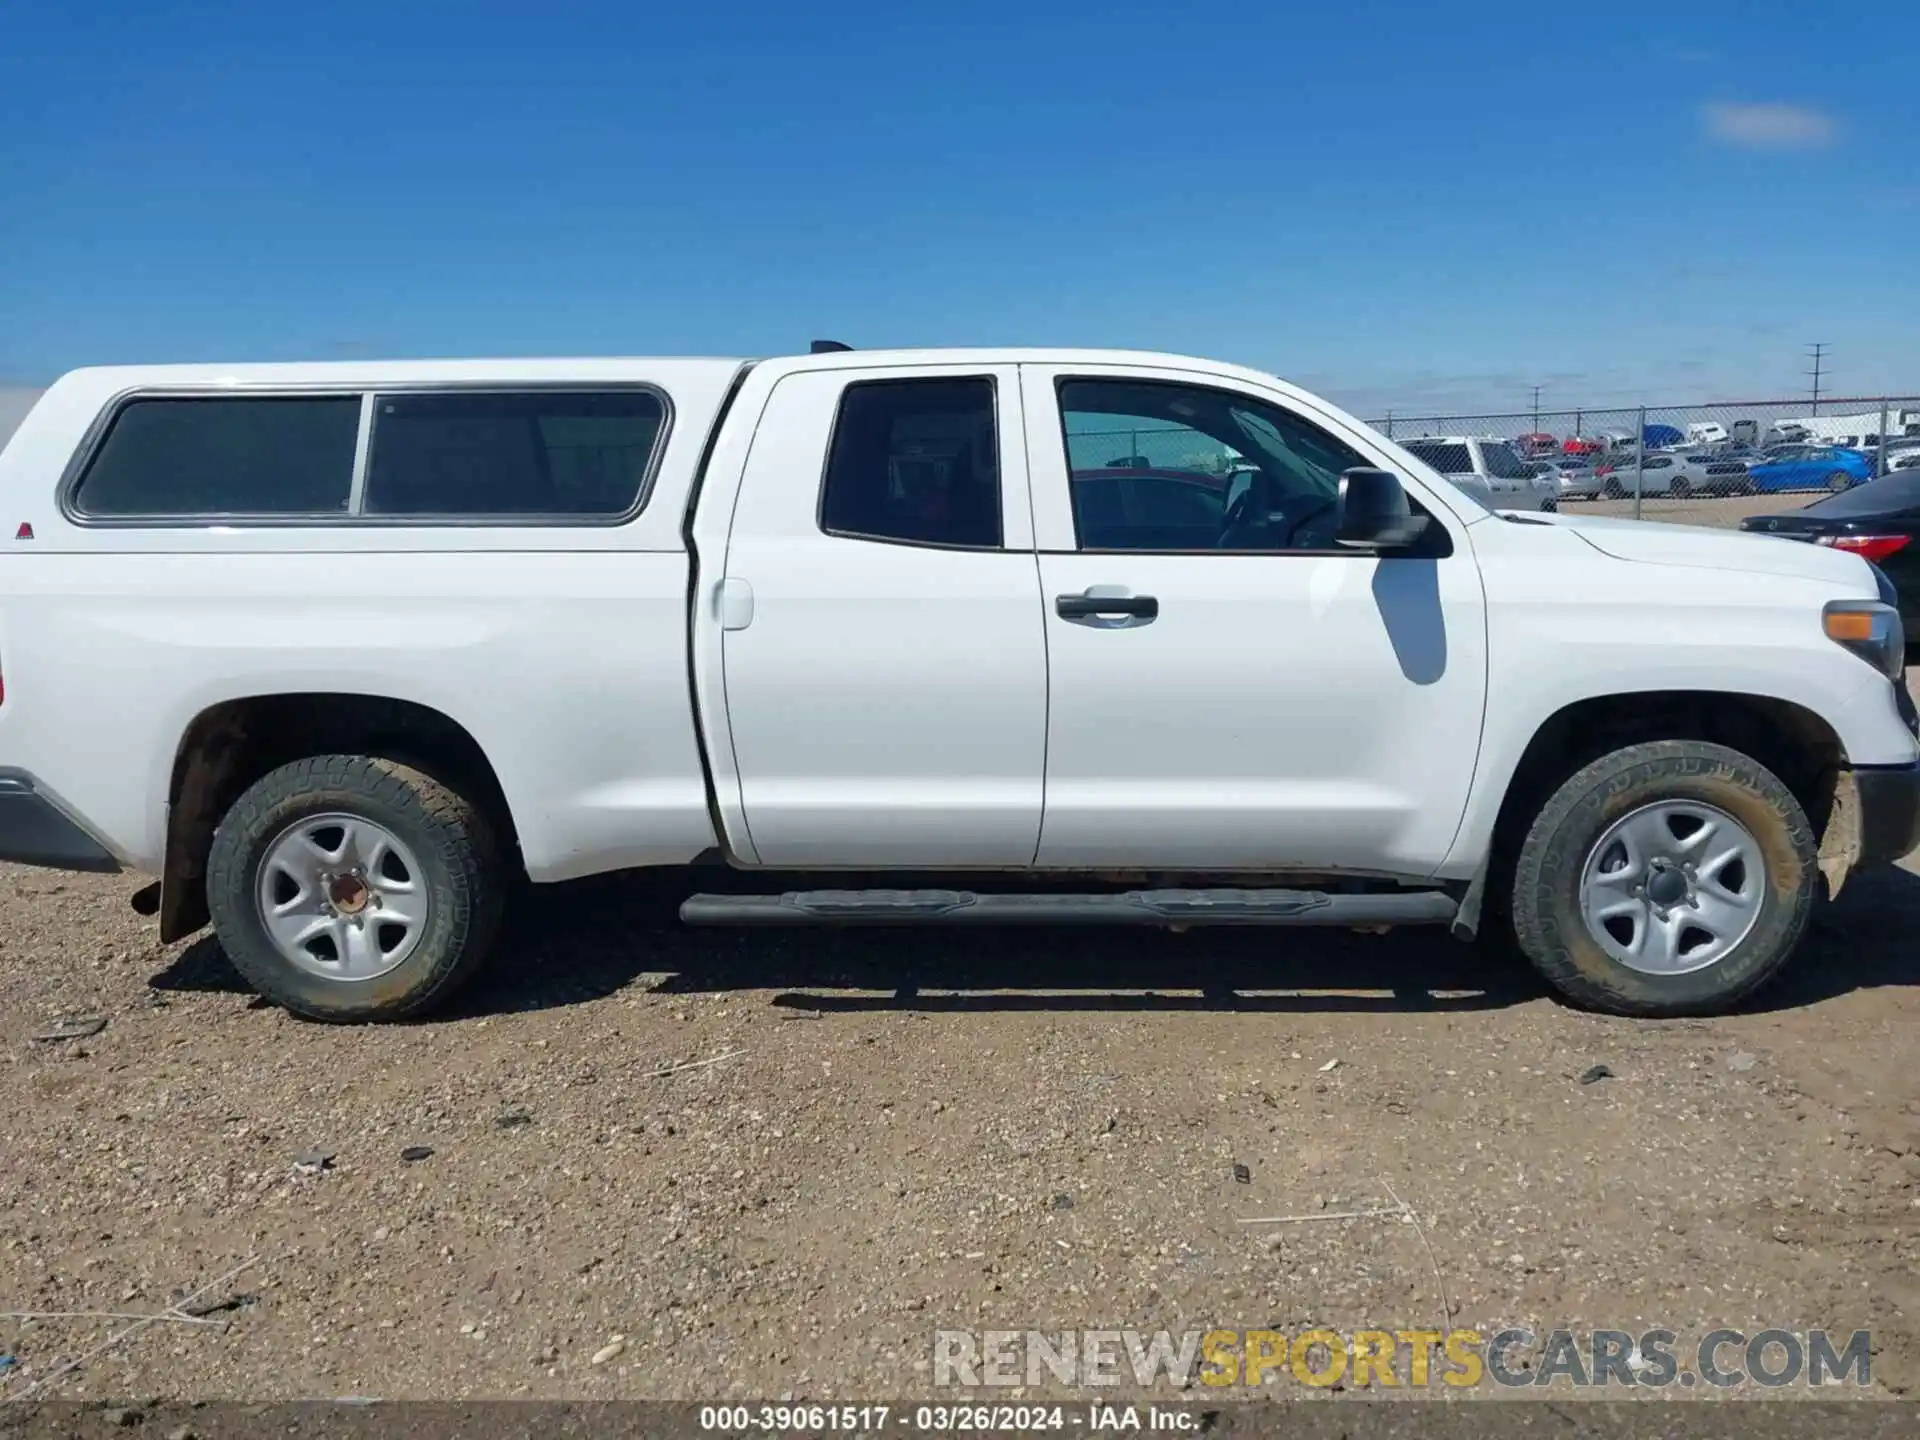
pixel 1839 480
pixel 1680 489
pixel 1550 504
pixel 1613 489
pixel 1550 927
pixel 442 843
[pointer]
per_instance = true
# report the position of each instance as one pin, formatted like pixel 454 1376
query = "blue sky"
pixel 1397 203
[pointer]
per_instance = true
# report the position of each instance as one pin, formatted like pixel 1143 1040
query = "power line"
pixel 1818 354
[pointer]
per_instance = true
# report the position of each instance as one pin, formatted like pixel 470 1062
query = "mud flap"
pixel 1466 921
pixel 1840 845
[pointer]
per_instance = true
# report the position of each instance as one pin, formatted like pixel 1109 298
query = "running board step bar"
pixel 1135 907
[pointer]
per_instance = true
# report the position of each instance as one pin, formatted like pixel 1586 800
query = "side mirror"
pixel 1373 512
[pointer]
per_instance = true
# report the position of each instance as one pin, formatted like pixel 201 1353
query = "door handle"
pixel 1085 607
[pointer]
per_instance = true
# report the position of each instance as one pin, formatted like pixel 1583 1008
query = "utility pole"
pixel 1536 409
pixel 1818 354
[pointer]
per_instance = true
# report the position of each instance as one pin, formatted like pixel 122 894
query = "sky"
pixel 1406 205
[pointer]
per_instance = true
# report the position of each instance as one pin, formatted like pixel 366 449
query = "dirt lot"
pixel 1724 513
pixel 912 1131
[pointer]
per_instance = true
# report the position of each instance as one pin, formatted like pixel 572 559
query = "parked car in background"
pixel 1661 437
pixel 1537 446
pixel 1718 475
pixel 1706 432
pixel 1659 474
pixel 1878 521
pixel 1486 468
pixel 1714 469
pixel 1811 467
pixel 1900 455
pixel 1581 446
pixel 1570 478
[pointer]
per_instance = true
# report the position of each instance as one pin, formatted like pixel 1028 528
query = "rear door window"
pixel 174 457
pixel 915 462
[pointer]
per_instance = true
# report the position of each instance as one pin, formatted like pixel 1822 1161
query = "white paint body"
pixel 862 704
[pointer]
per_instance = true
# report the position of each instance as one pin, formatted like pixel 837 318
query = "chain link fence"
pixel 1699 464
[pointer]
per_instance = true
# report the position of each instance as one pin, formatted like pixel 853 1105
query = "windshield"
pixel 1447 459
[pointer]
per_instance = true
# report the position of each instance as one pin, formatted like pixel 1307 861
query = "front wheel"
pixel 348 887
pixel 1670 878
pixel 1680 489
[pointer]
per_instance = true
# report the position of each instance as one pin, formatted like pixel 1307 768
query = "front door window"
pixel 1168 467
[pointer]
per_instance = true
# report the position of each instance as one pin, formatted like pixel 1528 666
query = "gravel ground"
pixel 1724 513
pixel 919 1130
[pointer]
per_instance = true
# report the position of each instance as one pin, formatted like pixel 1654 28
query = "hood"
pixel 1648 543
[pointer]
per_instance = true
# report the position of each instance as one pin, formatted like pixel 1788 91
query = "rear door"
pixel 883 650
pixel 1257 699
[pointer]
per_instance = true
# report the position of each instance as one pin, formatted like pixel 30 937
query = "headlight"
pixel 1870 630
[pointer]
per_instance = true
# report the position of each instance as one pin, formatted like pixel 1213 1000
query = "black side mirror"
pixel 1373 512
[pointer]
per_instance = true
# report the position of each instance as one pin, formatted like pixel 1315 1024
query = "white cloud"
pixel 1769 126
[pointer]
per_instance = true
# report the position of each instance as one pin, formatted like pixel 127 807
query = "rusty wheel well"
pixel 230 745
pixel 1791 741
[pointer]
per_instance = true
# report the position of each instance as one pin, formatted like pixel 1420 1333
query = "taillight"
pixel 1871 547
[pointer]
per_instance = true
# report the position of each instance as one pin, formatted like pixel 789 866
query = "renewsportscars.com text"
pixel 1656 1358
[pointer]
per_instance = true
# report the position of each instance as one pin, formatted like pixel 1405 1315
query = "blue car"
pixel 1811 467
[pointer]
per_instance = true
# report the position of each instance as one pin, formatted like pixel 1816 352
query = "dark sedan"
pixel 1879 520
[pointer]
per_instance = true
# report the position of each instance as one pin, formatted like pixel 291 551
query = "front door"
pixel 883 646
pixel 1228 688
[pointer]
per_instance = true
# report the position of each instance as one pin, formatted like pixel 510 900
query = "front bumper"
pixel 1889 812
pixel 36 831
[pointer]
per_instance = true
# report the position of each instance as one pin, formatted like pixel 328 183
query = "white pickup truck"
pixel 336 651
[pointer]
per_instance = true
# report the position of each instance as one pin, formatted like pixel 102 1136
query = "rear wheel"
pixel 347 887
pixel 1681 489
pixel 1671 878
pixel 1612 489
pixel 1839 480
